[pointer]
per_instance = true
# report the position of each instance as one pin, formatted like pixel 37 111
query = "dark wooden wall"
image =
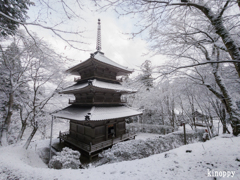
pixel 96 131
pixel 98 97
pixel 103 72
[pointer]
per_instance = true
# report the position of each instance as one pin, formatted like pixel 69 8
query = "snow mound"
pixel 138 149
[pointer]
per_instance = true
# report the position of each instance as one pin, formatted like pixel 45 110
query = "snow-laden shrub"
pixel 66 159
pixel 149 128
pixel 137 149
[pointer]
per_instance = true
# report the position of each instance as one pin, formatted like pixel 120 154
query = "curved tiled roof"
pixel 99 56
pixel 98 84
pixel 78 113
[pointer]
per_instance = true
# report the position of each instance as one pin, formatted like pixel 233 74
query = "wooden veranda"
pixel 92 149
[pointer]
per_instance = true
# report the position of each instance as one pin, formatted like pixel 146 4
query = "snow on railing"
pixel 61 134
pixel 76 79
pixel 119 79
pixel 71 101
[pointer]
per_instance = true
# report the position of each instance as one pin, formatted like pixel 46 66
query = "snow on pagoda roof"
pixel 99 56
pixel 99 84
pixel 95 113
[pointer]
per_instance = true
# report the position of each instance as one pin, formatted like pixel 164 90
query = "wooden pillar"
pixel 50 153
pixel 93 135
pixel 83 132
pixel 106 135
pixel 115 129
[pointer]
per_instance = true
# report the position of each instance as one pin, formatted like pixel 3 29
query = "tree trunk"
pixel 173 118
pixel 226 99
pixel 7 121
pixel 9 113
pixel 230 44
pixel 24 125
pixel 193 114
pixel 224 127
pixel 30 137
pixel 44 132
pixel 223 120
pixel 4 141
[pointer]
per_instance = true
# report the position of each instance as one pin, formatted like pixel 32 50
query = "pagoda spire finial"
pixel 98 47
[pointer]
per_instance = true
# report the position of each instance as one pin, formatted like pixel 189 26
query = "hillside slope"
pixel 219 154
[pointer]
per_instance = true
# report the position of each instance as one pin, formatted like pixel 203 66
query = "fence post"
pixel 60 140
pixel 184 131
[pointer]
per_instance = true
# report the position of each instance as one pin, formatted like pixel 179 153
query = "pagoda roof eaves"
pixel 99 57
pixel 98 85
pixel 96 113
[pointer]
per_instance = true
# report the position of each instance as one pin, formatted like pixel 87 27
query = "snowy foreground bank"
pixel 142 148
pixel 219 154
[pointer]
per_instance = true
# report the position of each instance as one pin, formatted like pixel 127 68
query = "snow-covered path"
pixel 217 154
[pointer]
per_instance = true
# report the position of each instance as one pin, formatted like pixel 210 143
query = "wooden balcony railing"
pixel 93 148
pixel 95 102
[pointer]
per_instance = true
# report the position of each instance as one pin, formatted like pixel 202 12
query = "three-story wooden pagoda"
pixel 97 115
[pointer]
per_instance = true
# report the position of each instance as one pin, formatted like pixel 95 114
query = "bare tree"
pixel 30 74
pixel 44 70
pixel 221 113
pixel 158 17
pixel 48 15
pixel 222 94
pixel 13 84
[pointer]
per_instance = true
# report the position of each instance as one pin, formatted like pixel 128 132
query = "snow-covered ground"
pixel 218 154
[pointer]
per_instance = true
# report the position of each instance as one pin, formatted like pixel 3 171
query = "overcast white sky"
pixel 115 44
